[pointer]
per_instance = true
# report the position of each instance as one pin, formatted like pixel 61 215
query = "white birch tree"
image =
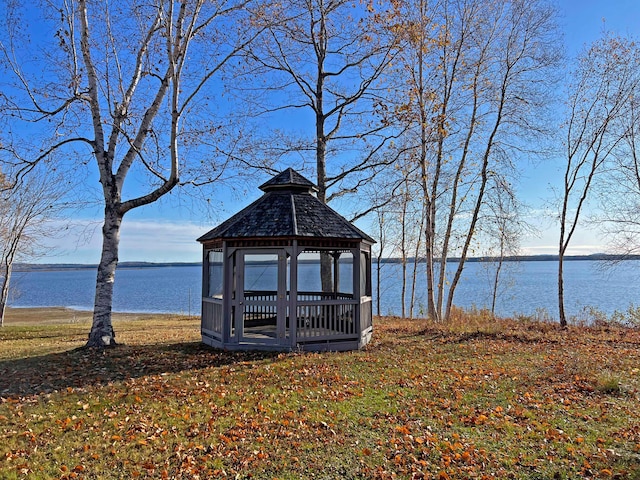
pixel 600 95
pixel 117 89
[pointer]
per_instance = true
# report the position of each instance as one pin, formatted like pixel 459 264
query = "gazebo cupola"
pixel 286 272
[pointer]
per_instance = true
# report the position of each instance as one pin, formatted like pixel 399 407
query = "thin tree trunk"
pixel 381 243
pixel 565 236
pixel 561 250
pixel 449 79
pixel 404 286
pixel 483 184
pixel 416 259
pixel 403 251
pixel 453 205
pixel 496 280
pixel 432 312
pixel 472 227
pixel 102 334
pixel 378 262
pixel 4 294
pixel 8 258
pixel 563 318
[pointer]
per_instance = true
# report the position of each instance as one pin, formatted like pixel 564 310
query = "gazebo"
pixel 287 272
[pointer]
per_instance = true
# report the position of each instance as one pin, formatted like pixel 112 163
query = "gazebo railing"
pixel 325 315
pixel 318 296
pixel 334 320
pixel 272 296
pixel 366 320
pixel 260 308
pixel 212 316
pixel 260 295
pixel 319 315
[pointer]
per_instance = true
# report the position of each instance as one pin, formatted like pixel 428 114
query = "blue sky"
pixel 166 232
pixel 583 21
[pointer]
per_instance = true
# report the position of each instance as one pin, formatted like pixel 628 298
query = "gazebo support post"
pixel 227 319
pixel 293 294
pixel 357 294
pixel 336 274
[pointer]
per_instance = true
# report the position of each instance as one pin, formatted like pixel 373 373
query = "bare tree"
pixel 25 212
pixel 323 57
pixel 409 222
pixel 603 84
pixel 322 60
pixel 383 193
pixel 619 189
pixel 503 230
pixel 416 113
pixel 124 85
pixel 477 72
pixel 380 247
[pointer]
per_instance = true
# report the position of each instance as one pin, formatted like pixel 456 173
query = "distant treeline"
pixel 531 258
pixel 31 267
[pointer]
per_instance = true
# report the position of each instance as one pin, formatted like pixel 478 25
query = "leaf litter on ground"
pixel 474 398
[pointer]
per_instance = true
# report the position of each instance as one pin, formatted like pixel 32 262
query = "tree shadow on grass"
pixel 83 367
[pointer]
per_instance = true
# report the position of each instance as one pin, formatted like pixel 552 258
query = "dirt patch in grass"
pixel 57 315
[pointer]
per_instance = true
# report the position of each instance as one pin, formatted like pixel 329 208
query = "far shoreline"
pixel 597 257
pixel 53 315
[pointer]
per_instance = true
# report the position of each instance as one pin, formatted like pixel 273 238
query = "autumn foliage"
pixel 477 398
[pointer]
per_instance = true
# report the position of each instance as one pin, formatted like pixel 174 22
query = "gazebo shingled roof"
pixel 287 209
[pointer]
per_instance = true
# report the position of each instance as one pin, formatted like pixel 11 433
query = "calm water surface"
pixel 527 287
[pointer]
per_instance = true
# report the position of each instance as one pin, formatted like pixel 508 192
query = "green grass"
pixel 477 398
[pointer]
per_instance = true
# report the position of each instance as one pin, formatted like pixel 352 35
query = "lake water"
pixel 528 287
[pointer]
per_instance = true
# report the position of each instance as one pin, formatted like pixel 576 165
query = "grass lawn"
pixel 473 399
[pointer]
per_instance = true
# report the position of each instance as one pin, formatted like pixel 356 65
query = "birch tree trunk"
pixel 4 293
pixel 11 243
pixel 403 247
pixel 102 333
pixel 496 282
pixel 561 312
pixel 121 80
pixel 382 241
